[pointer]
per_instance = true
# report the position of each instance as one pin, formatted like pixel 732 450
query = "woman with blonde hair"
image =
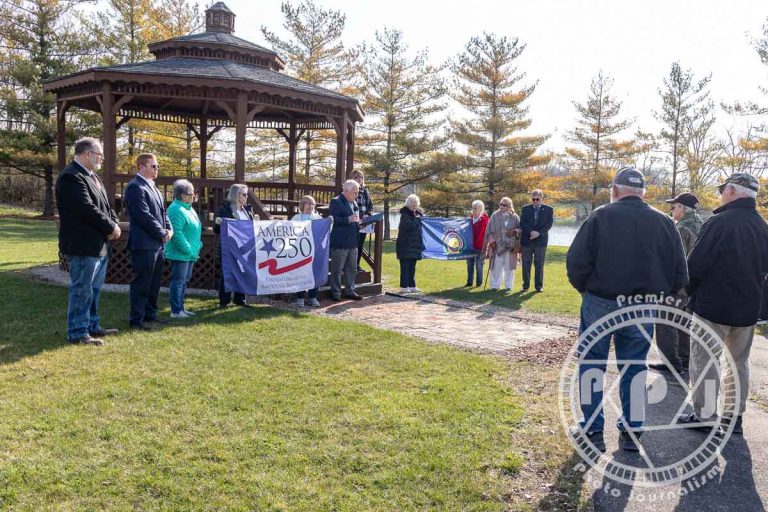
pixel 234 207
pixel 501 244
pixel 410 244
pixel 307 212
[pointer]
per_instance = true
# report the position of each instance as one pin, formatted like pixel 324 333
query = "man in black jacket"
pixel 727 266
pixel 535 222
pixel 86 226
pixel 623 249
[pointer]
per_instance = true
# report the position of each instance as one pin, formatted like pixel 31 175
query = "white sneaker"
pixel 405 290
pixel 314 303
pixel 414 290
pixel 300 303
pixel 189 313
pixel 179 315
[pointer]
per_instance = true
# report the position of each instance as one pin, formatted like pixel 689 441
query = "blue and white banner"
pixel 447 239
pixel 281 256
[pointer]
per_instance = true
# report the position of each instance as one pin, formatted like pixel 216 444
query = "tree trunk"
pixel 48 200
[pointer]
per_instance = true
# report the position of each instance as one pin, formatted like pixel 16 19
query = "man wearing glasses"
pixel 535 221
pixel 86 226
pixel 149 230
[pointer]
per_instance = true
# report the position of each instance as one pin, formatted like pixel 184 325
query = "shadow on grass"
pixel 565 493
pixel 33 318
pixel 512 300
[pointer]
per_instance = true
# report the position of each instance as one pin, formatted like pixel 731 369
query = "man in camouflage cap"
pixel 727 267
pixel 674 343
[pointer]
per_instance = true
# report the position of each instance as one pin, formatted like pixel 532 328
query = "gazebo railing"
pixel 277 198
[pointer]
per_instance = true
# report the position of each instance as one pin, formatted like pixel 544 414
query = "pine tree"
pixel 489 87
pixel 39 40
pixel 315 53
pixel 681 96
pixel 598 153
pixel 402 102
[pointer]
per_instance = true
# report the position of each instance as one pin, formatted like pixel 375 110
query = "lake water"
pixel 558 235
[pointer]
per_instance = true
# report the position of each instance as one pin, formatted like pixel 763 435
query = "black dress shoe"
pixel 104 332
pixel 336 298
pixel 468 285
pixel 354 296
pixel 87 340
pixel 157 320
pixel 627 443
pixel 139 326
pixel 524 289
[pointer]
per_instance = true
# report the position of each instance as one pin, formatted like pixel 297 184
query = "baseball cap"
pixel 685 199
pixel 740 178
pixel 630 177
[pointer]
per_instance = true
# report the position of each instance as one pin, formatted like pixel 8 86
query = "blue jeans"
pixel 475 264
pixel 630 345
pixel 181 273
pixel 86 276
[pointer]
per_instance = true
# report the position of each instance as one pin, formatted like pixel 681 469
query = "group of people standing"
pixel 627 252
pixel 88 225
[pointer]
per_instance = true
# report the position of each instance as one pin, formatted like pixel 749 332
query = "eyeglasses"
pixel 505 205
pixel 535 199
pixel 95 153
pixel 153 166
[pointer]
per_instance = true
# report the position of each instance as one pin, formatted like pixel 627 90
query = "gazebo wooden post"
pixel 292 146
pixel 203 145
pixel 241 124
pixel 61 133
pixel 341 149
pixel 109 136
pixel 351 149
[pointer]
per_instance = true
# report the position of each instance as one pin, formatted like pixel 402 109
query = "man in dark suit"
pixel 535 222
pixel 86 226
pixel 344 240
pixel 149 230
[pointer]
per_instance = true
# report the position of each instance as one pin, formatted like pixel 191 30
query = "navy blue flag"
pixel 447 239
pixel 281 256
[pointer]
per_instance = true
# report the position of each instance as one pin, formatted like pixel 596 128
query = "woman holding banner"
pixel 233 207
pixel 409 243
pixel 307 208
pixel 502 244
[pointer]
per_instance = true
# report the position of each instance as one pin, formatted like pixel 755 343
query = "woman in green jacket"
pixel 184 248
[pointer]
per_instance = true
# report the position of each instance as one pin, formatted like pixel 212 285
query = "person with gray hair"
pixel 728 266
pixel 626 248
pixel 87 225
pixel 479 220
pixel 235 206
pixel 307 212
pixel 183 249
pixel 410 243
pixel 344 240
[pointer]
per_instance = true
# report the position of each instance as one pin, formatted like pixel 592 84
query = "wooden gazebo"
pixel 208 82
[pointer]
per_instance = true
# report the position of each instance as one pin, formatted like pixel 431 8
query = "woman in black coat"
pixel 233 207
pixel 409 243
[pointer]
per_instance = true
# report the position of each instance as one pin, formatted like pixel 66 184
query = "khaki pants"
pixel 738 341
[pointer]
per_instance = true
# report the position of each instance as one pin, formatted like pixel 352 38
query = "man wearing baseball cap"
pixel 626 248
pixel 727 266
pixel 674 343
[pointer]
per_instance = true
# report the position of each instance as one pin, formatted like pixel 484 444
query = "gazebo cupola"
pixel 218 18
pixel 217 42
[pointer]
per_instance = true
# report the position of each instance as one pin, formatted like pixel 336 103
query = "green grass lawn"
pixel 254 410
pixel 447 278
